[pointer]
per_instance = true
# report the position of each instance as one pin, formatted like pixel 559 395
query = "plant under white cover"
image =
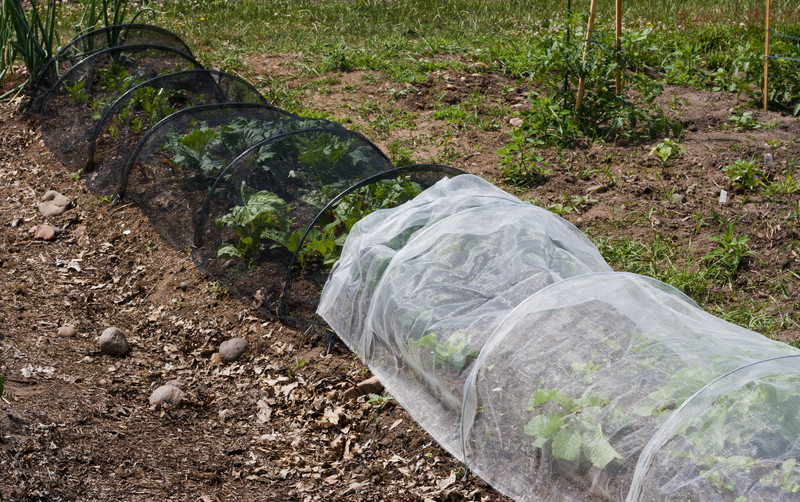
pixel 504 333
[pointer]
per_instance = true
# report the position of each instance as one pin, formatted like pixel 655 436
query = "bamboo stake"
pixel 589 29
pixel 766 57
pixel 619 45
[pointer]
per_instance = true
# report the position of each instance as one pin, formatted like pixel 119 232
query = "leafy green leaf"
pixel 567 444
pixel 597 448
pixel 541 396
pixel 228 251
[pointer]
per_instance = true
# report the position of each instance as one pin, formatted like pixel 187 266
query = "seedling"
pixel 377 401
pixel 573 432
pixel 743 121
pixel 667 150
pixel 745 174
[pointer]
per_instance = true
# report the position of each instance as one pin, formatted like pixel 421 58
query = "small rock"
pixel 16 222
pixel 182 286
pixel 215 359
pixel 516 122
pixel 46 232
pixel 166 394
pixel 68 331
pixel 113 342
pixel 677 198
pixel 691 189
pixel 231 350
pixel 54 203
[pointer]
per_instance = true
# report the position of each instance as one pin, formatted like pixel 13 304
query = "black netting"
pixel 141 107
pixel 94 41
pixel 71 110
pixel 321 245
pixel 170 170
pixel 261 205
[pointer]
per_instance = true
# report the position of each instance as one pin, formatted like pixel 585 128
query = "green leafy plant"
pixel 520 162
pixel 31 36
pixel 262 215
pixel 558 63
pixel 454 352
pixel 743 121
pixel 667 150
pixel 745 174
pixel 730 253
pixel 570 427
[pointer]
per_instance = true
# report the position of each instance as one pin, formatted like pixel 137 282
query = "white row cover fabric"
pixel 504 333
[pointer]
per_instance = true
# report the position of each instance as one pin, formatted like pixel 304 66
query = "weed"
pixel 729 255
pixel 745 174
pixel 291 371
pixel 519 161
pixel 399 154
pixel 378 401
pixel 743 121
pixel 216 289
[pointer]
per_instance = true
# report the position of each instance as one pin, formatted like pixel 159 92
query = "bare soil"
pixel 77 425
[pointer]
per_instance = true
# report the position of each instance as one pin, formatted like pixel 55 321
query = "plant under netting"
pixel 270 211
pixel 82 46
pixel 71 110
pixel 503 332
pixel 144 105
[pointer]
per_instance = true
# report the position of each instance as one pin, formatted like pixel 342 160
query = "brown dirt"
pixel 76 424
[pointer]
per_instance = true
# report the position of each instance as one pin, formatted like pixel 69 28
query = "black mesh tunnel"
pixel 262 204
pixel 142 106
pixel 169 172
pixel 94 41
pixel 73 107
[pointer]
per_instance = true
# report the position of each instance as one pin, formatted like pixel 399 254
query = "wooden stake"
pixel 589 29
pixel 619 46
pixel 766 57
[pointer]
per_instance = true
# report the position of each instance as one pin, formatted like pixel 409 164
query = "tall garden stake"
pixel 589 29
pixel 766 57
pixel 618 34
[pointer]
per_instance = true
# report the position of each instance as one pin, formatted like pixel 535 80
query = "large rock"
pixel 54 203
pixel 113 342
pixel 231 350
pixel 166 395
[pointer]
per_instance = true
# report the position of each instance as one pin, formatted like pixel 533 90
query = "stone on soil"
pixel 46 232
pixel 113 342
pixel 166 394
pixel 67 331
pixel 53 204
pixel 231 350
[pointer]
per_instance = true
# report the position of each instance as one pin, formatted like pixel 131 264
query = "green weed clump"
pixel 745 174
